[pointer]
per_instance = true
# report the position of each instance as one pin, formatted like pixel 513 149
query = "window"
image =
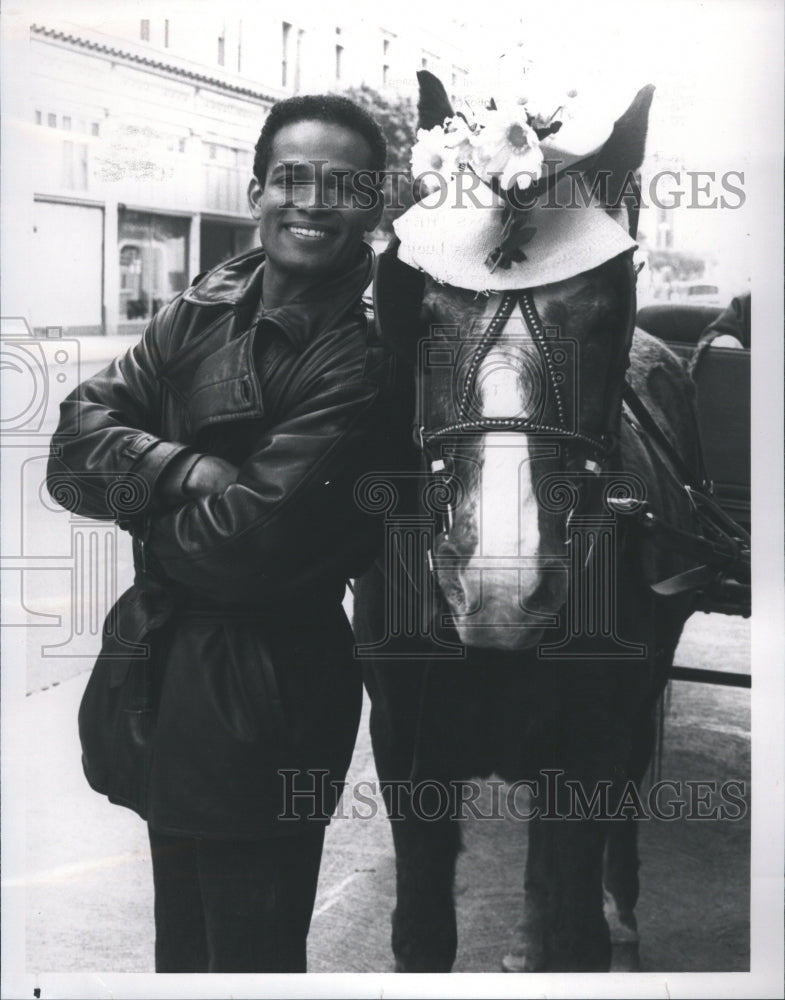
pixel 74 162
pixel 226 156
pixel 153 262
pixel 67 123
pixel 220 240
pixel 221 51
pixel 285 31
pixel 144 30
pixel 239 46
pixel 166 33
pixel 226 174
pixel 297 59
pixel 338 61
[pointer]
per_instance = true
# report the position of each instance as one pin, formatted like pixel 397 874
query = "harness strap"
pixel 655 432
pixel 726 550
pixel 492 331
pixel 617 374
pixel 701 493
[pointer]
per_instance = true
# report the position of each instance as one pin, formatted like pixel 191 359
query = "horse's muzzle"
pixel 500 603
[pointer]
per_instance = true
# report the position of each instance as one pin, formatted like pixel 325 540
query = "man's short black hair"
pixel 323 108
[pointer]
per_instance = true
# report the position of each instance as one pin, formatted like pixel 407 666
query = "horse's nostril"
pixel 444 549
pixel 447 561
pixel 453 593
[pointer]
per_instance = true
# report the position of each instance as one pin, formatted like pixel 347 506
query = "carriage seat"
pixel 680 326
pixel 722 379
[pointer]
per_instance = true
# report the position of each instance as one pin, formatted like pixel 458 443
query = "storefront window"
pixel 221 240
pixel 153 256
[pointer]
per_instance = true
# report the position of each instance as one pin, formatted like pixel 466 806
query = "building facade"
pixel 128 150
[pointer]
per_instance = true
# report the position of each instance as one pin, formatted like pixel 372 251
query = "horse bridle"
pixel 722 543
pixel 600 445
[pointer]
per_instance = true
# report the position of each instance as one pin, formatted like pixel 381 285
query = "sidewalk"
pixel 88 880
pixel 87 884
pixel 80 871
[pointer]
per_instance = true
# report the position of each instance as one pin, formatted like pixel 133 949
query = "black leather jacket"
pixel 237 595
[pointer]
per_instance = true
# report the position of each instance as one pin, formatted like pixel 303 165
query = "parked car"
pixel 696 293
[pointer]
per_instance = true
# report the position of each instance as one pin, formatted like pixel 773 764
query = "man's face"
pixel 309 228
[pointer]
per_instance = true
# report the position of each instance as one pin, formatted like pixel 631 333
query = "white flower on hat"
pixel 431 155
pixel 507 146
pixel 507 140
pixel 443 150
pixel 457 137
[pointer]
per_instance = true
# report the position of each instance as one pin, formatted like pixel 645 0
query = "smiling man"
pixel 238 427
pixel 309 223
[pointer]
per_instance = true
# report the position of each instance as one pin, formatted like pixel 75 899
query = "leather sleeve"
pixel 105 457
pixel 291 518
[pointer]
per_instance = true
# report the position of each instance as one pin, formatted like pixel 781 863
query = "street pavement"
pixel 86 886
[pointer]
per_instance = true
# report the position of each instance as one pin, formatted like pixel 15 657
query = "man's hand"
pixel 191 476
pixel 207 476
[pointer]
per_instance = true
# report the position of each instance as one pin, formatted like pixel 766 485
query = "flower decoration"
pixel 433 154
pixel 508 147
pixel 502 144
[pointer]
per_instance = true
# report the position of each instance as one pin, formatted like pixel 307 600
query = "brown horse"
pixel 541 651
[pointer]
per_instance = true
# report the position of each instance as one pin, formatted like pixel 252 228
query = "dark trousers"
pixel 234 906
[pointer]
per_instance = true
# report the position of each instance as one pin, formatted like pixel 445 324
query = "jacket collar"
pixel 238 284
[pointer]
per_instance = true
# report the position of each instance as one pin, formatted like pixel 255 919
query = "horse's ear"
pixel 433 105
pixel 623 153
pixel 628 139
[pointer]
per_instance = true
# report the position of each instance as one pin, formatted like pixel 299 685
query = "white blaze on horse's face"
pixel 497 591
